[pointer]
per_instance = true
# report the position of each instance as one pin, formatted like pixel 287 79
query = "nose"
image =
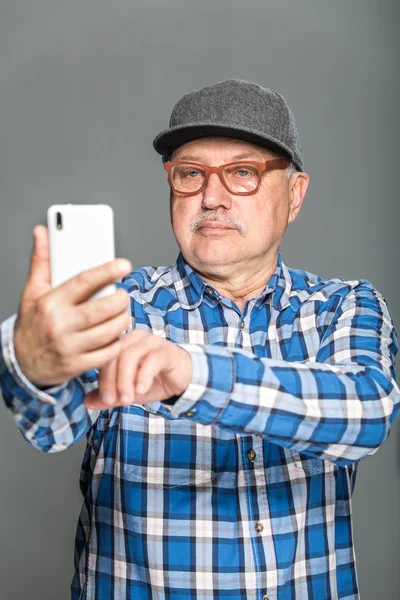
pixel 215 194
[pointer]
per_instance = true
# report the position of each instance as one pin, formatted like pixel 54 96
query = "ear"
pixel 298 185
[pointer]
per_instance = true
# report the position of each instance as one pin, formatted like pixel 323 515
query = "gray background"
pixel 84 88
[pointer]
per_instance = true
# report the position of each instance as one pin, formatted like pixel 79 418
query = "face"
pixel 218 231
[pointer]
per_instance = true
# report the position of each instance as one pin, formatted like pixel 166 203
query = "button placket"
pixel 258 511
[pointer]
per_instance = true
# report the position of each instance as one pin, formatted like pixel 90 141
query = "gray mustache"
pixel 218 217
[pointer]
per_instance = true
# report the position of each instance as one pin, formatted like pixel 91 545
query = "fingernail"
pixel 125 399
pixel 106 397
pixel 124 265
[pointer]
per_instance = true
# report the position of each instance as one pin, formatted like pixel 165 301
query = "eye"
pixel 244 171
pixel 189 173
pixel 192 173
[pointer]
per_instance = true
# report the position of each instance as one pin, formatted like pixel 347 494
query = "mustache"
pixel 211 215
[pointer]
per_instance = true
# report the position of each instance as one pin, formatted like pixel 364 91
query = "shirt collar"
pixel 190 287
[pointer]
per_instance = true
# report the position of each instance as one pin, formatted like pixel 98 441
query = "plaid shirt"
pixel 241 489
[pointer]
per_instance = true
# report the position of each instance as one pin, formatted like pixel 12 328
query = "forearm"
pixel 50 420
pixel 340 412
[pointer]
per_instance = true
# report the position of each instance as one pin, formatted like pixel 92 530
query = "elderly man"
pixel 226 426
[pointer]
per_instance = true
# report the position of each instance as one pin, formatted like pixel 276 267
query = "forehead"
pixel 216 146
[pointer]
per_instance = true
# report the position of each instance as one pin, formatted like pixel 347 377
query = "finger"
pixel 98 310
pixel 85 284
pixel 128 364
pixel 93 405
pixel 98 358
pixel 107 383
pixel 135 343
pixel 39 281
pixel 99 336
pixel 135 336
pixel 108 374
pixel 152 365
pixel 89 315
pixel 93 402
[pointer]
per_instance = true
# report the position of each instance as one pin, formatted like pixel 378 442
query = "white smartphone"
pixel 81 236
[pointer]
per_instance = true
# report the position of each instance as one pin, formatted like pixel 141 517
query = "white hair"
pixel 291 169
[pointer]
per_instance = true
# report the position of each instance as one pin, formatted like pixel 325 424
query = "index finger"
pixel 85 284
pixel 107 382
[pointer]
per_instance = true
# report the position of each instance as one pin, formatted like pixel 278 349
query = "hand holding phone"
pixel 62 331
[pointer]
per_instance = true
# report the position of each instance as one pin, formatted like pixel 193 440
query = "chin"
pixel 212 251
pixel 214 257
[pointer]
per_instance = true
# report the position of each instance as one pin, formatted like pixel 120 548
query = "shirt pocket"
pixel 164 452
pixel 310 465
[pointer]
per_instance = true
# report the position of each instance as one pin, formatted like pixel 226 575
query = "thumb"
pixel 39 280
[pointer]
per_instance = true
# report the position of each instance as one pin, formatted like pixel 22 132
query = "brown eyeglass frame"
pixel 268 165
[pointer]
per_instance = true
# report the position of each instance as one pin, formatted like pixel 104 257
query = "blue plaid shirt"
pixel 241 489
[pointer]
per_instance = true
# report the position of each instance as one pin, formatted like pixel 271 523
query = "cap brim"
pixel 170 139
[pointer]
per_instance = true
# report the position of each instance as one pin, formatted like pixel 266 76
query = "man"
pixel 234 411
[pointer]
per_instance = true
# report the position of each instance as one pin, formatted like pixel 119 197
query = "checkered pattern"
pixel 242 488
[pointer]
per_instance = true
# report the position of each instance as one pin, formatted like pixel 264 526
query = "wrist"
pixel 21 363
pixel 185 371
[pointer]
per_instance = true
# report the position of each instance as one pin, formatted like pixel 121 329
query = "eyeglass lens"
pixel 239 177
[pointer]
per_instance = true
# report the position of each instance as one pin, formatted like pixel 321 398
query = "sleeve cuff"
pixel 213 377
pixel 11 363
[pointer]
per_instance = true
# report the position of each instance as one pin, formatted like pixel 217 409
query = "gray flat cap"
pixel 237 109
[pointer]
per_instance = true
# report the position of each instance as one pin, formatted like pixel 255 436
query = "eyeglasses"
pixel 239 178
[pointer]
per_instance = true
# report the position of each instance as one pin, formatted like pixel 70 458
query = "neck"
pixel 240 284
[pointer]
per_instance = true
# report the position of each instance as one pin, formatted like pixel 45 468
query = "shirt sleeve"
pixel 339 407
pixel 50 419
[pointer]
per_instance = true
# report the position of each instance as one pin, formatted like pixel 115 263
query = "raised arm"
pixel 339 407
pixel 51 350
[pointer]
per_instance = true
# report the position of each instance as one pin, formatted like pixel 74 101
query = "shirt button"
pixel 259 527
pixel 242 325
pixel 265 598
pixel 190 413
pixel 251 455
pixel 210 292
